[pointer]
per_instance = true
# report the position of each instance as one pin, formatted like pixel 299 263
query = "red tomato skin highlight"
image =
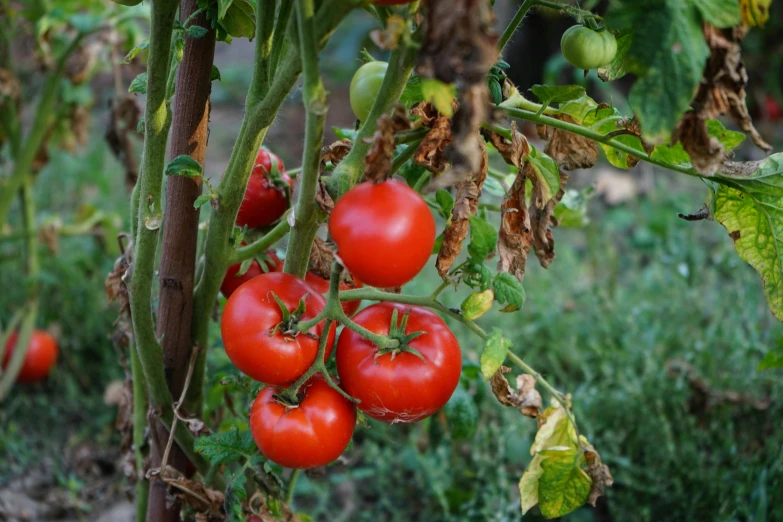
pixel 313 434
pixel 263 203
pixel 40 357
pixel 384 233
pixel 251 313
pixel 405 389
pixel 231 282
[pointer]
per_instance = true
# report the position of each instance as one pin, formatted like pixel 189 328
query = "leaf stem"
pixel 265 242
pixel 514 23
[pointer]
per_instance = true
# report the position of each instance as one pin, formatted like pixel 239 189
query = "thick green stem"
pixel 139 428
pixel 261 245
pixel 404 156
pixel 351 168
pixel 281 26
pixel 289 493
pixel 32 142
pixel 306 216
pixel 514 23
pixel 157 120
pixel 265 27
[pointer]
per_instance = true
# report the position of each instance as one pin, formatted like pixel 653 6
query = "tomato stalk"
pixel 281 26
pixel 264 243
pixel 514 23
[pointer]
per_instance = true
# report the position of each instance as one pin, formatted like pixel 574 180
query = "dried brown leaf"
pixel 542 219
pixel 598 472
pixel 571 151
pixel 468 193
pixel 195 494
pixel 515 236
pixel 82 61
pixel 527 399
pixel 378 160
pixel 321 257
pixel 323 199
pixel 389 37
pixel 336 151
pixel 707 153
pixel 514 150
pixel 124 117
pixel 426 112
pixel 429 154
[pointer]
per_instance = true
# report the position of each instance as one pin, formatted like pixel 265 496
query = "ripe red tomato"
pixel 231 282
pixel 384 233
pixel 250 316
pixel 404 388
pixel 312 434
pixel 321 286
pixel 772 107
pixel 263 203
pixel 40 357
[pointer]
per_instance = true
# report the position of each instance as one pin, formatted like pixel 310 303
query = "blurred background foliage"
pixel 653 324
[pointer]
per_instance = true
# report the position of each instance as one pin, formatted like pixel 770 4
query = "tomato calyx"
pixel 289 325
pixel 397 332
pixel 277 180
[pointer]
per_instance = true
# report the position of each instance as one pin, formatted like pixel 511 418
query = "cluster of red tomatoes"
pixel 384 235
pixel 41 356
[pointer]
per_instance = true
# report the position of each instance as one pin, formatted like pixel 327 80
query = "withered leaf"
pixel 336 151
pixel 514 150
pixel 378 160
pixel 527 399
pixel 598 472
pixel 706 152
pixel 426 112
pixel 196 495
pixel 321 257
pixel 543 219
pixel 323 199
pixel 123 120
pixel 468 193
pixel 516 235
pixel 389 37
pixel 429 154
pixel 571 151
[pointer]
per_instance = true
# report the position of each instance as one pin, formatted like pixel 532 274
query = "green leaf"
pixel 136 50
pixel 440 94
pixel 445 201
pixel 494 353
pixel 729 139
pixel 495 91
pixel 619 66
pixel 578 109
pixel 477 275
pixel 509 290
pixel 563 486
pixel 139 84
pixel 184 165
pixel 547 175
pixel 229 446
pixel 609 119
pixel 244 267
pixel 676 155
pixel 483 239
pixel 477 304
pixel 461 415
pixel 412 92
pixel 720 13
pixel 752 212
pixel 202 200
pixel 548 94
pixel 215 75
pixel 437 245
pixel 235 494
pixel 528 484
pixel 556 430
pixel 571 211
pixel 668 54
pixel 223 6
pixel 239 20
pixel 196 31
pixel 771 360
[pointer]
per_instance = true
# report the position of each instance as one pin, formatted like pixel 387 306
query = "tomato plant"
pixel 314 433
pixel 321 286
pixel 384 233
pixel 232 281
pixel 257 332
pixel 585 48
pixel 268 192
pixel 398 385
pixel 365 85
pixel 40 358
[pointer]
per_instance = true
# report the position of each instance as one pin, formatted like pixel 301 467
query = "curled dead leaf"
pixel 514 150
pixel 429 154
pixel 389 37
pixel 515 236
pixel 323 199
pixel 526 398
pixel 195 494
pixel 124 116
pixel 706 152
pixel 321 257
pixel 598 472
pixel 468 193
pixel 426 112
pixel 335 152
pixel 570 151
pixel 82 61
pixel 542 220
pixel 378 160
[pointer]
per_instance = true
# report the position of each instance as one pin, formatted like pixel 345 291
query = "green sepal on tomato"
pixel 384 233
pixel 585 48
pixel 255 336
pixel 313 433
pixel 232 281
pixel 365 85
pixel 41 356
pixel 399 386
pixel 266 199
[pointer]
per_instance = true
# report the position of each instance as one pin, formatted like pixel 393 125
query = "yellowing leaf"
pixel 555 430
pixel 528 484
pixel 439 94
pixel 563 486
pixel 755 12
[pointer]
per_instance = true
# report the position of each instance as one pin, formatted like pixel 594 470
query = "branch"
pixel 306 222
pixel 281 27
pixel 265 28
pixel 264 243
pixel 514 23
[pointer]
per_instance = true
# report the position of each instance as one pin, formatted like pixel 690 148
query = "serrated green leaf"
pixel 752 212
pixel 477 275
pixel 729 139
pixel 548 94
pixel 619 66
pixel 229 446
pixel 563 486
pixel 234 495
pixel 509 290
pixel 445 202
pixel 528 484
pixel 196 31
pixel 461 415
pixel 495 91
pixel 184 165
pixel 494 353
pixel 439 94
pixel 239 20
pixel 720 13
pixel 136 49
pixel 139 84
pixel 437 245
pixel 547 175
pixel 483 239
pixel 412 92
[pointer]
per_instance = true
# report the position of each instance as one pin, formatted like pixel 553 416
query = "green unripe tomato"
pixel 587 49
pixel 365 85
pixel 128 3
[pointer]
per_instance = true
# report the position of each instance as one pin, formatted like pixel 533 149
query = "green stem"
pixel 157 120
pixel 514 23
pixel 306 223
pixel 597 136
pixel 261 245
pixel 281 26
pixel 34 139
pixel 265 29
pixel 289 494
pixel 411 136
pixel 402 157
pixel 139 428
pixel 443 285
